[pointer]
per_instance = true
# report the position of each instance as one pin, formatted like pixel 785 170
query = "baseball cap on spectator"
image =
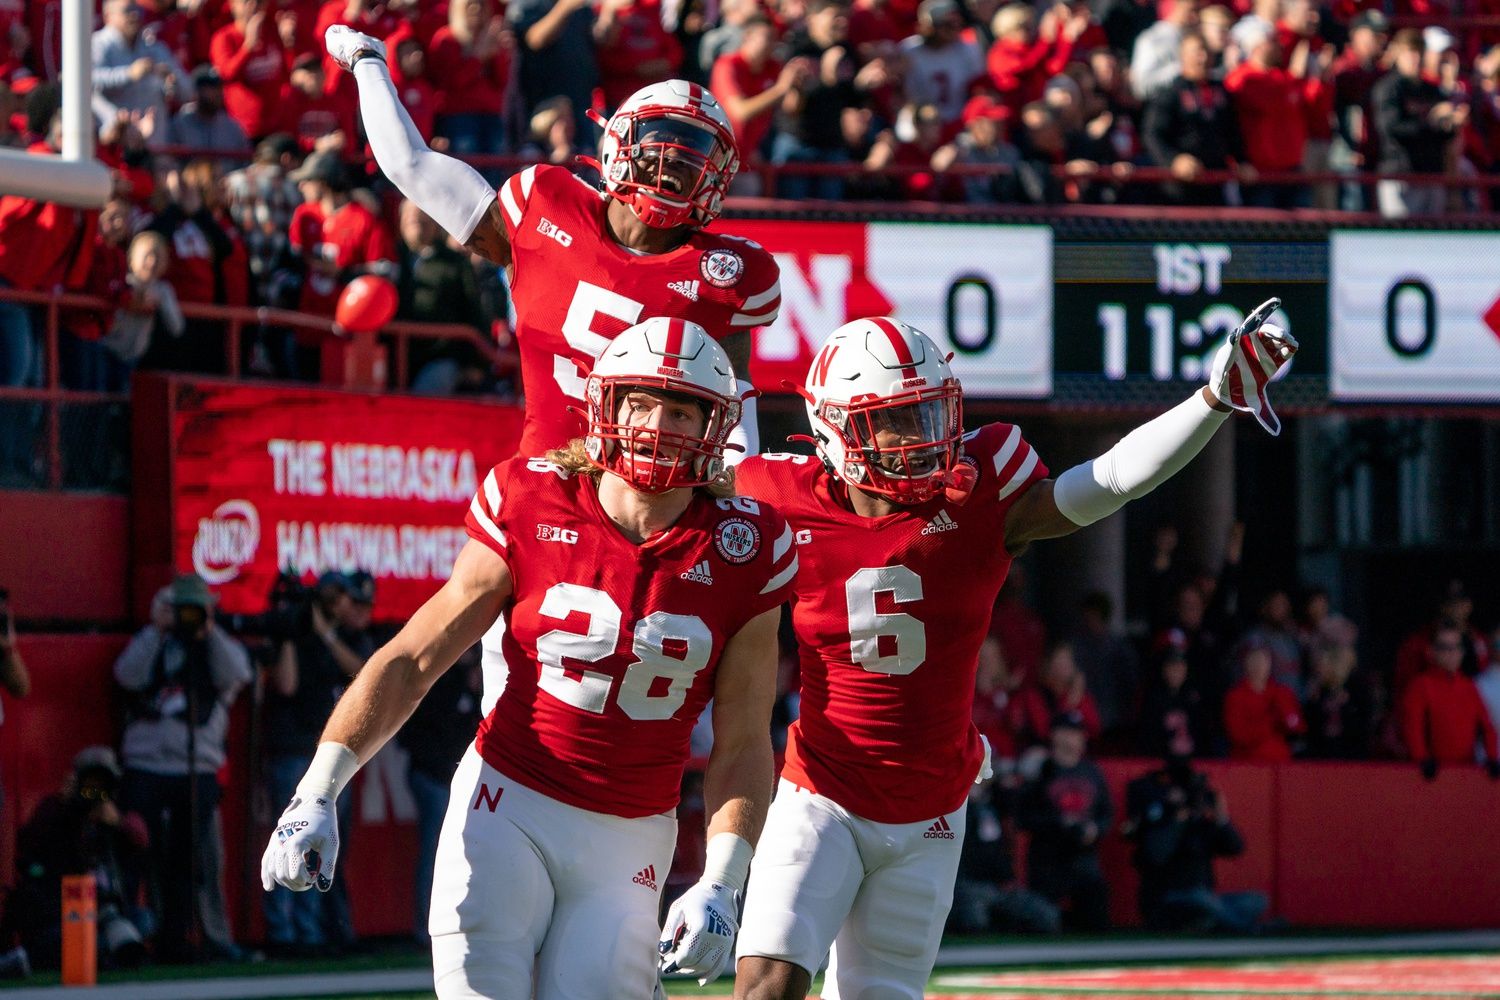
pixel 96 758
pixel 1375 20
pixel 1250 32
pixel 935 10
pixel 1437 39
pixel 324 167
pixel 191 590
pixel 334 580
pixel 206 76
pixel 308 60
pixel 986 106
pixel 362 587
pixel 276 145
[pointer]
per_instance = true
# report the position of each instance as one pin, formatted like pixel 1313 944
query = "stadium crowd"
pixel 242 177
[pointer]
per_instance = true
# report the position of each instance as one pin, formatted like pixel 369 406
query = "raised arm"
pixel 1157 450
pixel 449 190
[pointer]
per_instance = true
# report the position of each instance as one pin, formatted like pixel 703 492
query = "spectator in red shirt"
pixel 470 67
pixel 873 30
pixel 1271 104
pixel 1061 688
pixel 1261 715
pixel 201 246
pixel 1022 60
pixel 250 59
pixel 751 85
pixel 634 48
pixel 926 123
pixel 319 118
pixel 85 364
pixel 1442 715
pixel 994 700
pixel 44 245
pixel 338 238
pixel 1298 25
pixel 368 16
pixel 414 86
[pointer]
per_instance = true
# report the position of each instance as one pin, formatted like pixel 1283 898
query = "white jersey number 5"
pixel 589 302
pixel 867 626
pixel 589 689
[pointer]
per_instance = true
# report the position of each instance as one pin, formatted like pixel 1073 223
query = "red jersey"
pixel 469 85
pixel 252 80
pixel 1443 718
pixel 1259 722
pixel 352 235
pixel 890 613
pixel 575 289
pixel 612 647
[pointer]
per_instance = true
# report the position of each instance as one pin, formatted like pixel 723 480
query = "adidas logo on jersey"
pixel 939 830
pixel 699 574
pixel 688 289
pixel 647 876
pixel 942 522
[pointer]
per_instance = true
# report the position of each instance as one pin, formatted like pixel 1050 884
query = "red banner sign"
pixel 313 480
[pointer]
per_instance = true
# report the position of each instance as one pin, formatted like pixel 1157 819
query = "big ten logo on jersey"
pixel 550 229
pixel 549 533
pixel 543 466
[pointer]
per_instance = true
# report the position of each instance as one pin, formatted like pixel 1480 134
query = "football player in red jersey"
pixel 585 264
pixel 907 527
pixel 636 587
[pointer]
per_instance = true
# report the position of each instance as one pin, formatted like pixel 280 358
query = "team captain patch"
pixel 721 268
pixel 737 540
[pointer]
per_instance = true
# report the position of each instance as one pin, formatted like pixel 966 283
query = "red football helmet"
pixel 669 153
pixel 672 358
pixel 887 412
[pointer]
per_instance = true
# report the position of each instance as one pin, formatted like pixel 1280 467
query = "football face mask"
pixel 661 436
pixel 903 447
pixel 668 169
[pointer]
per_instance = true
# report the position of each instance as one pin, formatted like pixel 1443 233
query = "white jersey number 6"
pixel 867 626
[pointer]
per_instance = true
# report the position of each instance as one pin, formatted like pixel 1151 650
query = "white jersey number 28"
pixel 589 302
pixel 589 689
pixel 867 626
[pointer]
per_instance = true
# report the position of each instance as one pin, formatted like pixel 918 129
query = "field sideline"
pixel 1460 966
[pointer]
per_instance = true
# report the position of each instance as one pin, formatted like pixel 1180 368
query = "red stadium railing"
pixel 52 395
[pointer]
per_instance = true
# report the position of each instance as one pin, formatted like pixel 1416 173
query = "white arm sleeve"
pixel 1144 459
pixel 449 190
pixel 746 434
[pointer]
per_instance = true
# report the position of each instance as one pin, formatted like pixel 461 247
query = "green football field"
pixel 1365 971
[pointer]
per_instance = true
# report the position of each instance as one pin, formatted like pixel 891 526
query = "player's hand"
pixel 304 846
pixel 1247 361
pixel 698 937
pixel 986 766
pixel 344 43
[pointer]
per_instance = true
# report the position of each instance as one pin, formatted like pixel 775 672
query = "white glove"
pixel 1248 360
pixel 986 767
pixel 304 846
pixel 344 43
pixel 698 937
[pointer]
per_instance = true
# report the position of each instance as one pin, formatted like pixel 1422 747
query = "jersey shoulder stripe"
pixel 515 196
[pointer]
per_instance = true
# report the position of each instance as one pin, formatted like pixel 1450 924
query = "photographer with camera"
pixel 326 644
pixel 181 674
pixel 1180 824
pixel 1066 809
pixel 78 831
